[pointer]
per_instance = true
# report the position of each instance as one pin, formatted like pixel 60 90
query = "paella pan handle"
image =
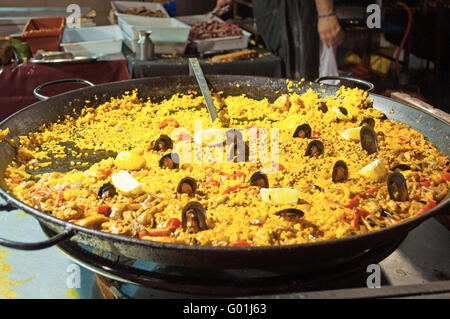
pixel 369 86
pixel 40 87
pixel 66 234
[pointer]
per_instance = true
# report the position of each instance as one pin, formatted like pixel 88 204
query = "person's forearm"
pixel 324 6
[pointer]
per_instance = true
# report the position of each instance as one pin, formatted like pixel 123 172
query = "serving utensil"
pixel 196 70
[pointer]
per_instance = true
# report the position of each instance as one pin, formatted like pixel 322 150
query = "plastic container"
pixel 44 33
pixel 122 6
pixel 168 34
pixel 216 44
pixel 91 41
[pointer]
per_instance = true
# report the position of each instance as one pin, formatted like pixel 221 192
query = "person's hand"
pixel 220 4
pixel 330 32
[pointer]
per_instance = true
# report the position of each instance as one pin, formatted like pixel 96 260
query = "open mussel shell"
pixel 401 167
pixel 107 190
pixel 238 152
pixel 163 143
pixel 193 217
pixel 369 141
pixel 187 185
pixel 340 172
pixel 171 161
pixel 293 211
pixel 368 122
pixel 233 136
pixel 315 148
pixel 303 131
pixel 259 179
pixel 397 188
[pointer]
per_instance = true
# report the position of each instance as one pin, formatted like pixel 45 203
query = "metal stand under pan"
pixel 217 282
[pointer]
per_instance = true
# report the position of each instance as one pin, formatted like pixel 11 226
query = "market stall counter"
pixel 263 64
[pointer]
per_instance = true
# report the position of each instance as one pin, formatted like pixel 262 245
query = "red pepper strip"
pixel 353 202
pixel 369 191
pixel 233 188
pixel 173 224
pixel 361 212
pixel 241 243
pixel 445 177
pixel 355 221
pixel 233 176
pixel 429 205
pixel 105 172
pixel 358 212
pixel 102 209
pixel 447 169
pixel 59 198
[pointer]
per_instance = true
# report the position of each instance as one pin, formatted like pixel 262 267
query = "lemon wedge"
pixel 280 196
pixel 352 134
pixel 129 161
pixel 125 183
pixel 376 170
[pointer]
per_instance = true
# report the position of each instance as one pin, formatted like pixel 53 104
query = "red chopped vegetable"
pixel 105 172
pixel 166 122
pixel 429 205
pixel 316 134
pixel 368 192
pixel 233 188
pixel 361 212
pixel 103 209
pixel 353 202
pixel 447 169
pixel 425 182
pixel 445 177
pixel 173 224
pixel 241 243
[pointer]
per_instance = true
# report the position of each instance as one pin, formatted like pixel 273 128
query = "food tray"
pixel 216 44
pixel 43 33
pixel 168 34
pixel 124 5
pixel 93 40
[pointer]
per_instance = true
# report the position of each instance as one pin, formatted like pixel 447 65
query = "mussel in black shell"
pixel 260 180
pixel 171 161
pixel 303 131
pixel 368 121
pixel 293 211
pixel 340 172
pixel 187 185
pixel 163 143
pixel 369 141
pixel 107 190
pixel 397 188
pixel 193 218
pixel 315 148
